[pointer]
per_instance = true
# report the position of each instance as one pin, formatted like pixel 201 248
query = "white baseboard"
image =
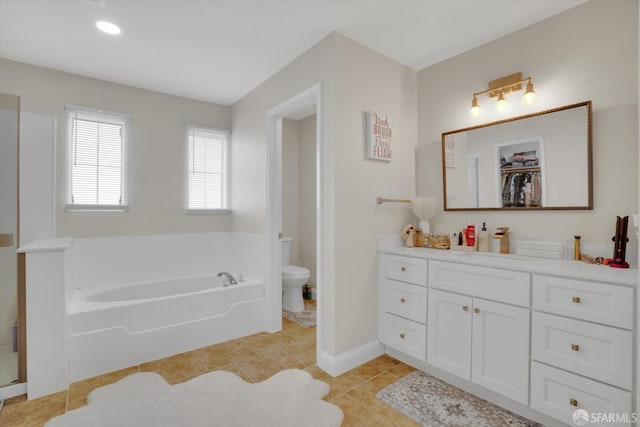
pixel 13 390
pixel 337 365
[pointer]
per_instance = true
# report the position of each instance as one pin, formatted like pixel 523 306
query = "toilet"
pixel 293 278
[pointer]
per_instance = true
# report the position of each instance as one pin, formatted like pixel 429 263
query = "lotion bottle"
pixel 483 239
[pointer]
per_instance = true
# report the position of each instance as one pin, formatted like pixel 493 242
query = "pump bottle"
pixel 483 239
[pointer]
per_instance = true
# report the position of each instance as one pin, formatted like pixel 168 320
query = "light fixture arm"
pixel 502 88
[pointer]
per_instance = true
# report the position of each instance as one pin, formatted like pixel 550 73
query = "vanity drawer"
pixel 596 302
pixel 495 284
pixel 406 269
pixel 405 300
pixel 559 394
pixel 404 335
pixel 600 352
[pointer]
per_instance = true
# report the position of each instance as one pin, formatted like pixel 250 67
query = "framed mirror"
pixel 541 161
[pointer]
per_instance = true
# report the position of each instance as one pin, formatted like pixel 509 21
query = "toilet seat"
pixel 292 270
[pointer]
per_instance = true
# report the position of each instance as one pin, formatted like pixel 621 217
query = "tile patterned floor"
pixel 254 358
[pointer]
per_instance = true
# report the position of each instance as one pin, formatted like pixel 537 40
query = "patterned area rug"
pixel 306 318
pixel 434 403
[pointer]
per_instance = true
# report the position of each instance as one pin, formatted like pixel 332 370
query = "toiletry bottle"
pixel 453 239
pixel 483 239
pixel 471 235
pixel 576 248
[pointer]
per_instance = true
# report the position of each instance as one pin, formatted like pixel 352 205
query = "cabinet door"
pixel 449 332
pixel 500 359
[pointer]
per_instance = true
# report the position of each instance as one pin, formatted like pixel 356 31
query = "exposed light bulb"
pixel 501 104
pixel 529 95
pixel 108 27
pixel 475 108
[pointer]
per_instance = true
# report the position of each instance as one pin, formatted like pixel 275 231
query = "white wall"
pixel 37 176
pixel 586 53
pixel 354 80
pixel 249 152
pixel 290 187
pixel 367 81
pixel 156 151
pixel 307 195
pixel 299 190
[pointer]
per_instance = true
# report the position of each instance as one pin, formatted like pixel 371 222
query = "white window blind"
pixel 97 164
pixel 206 169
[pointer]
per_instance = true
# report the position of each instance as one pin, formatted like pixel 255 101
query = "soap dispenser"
pixel 483 239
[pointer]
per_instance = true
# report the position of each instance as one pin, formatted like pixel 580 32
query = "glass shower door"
pixel 9 124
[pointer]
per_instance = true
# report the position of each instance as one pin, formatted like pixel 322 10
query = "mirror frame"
pixel 589 148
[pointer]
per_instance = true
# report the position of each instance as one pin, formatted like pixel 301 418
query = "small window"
pixel 206 169
pixel 97 173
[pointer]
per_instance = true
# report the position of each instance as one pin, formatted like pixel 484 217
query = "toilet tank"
pixel 286 250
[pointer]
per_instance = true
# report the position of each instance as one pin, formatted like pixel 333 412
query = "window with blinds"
pixel 206 169
pixel 97 160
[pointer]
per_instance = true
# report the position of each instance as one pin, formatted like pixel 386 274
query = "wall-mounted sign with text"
pixel 379 135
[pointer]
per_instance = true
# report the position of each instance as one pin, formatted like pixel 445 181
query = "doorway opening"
pixel 303 105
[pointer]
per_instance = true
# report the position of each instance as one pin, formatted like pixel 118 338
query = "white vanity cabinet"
pixel 582 347
pixel 484 341
pixel 552 336
pixel 403 295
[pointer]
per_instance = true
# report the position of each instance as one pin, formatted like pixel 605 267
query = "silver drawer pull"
pixel 402 300
pixel 476 310
pixel 402 336
pixel 576 300
pixel 573 402
pixel 403 269
pixel 575 347
pixel 465 308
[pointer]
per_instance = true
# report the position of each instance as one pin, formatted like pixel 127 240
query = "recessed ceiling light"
pixel 108 27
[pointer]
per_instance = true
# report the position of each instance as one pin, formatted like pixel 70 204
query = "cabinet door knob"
pixel 465 308
pixel 576 300
pixel 476 310
pixel 402 300
pixel 573 402
pixel 575 347
pixel 402 336
pixel 403 269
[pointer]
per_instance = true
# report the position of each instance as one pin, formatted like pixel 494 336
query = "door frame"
pixel 273 292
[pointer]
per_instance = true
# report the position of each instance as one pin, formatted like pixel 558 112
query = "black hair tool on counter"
pixel 620 245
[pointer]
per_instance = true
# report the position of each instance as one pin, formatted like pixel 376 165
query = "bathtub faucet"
pixel 232 280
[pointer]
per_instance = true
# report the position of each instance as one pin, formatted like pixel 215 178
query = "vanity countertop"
pixel 557 267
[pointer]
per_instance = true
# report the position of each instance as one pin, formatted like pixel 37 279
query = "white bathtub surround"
pixel 140 327
pixel 289 398
pixel 119 331
pixel 181 310
pixel 47 354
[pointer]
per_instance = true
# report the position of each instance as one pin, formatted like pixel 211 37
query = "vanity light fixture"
pixel 500 87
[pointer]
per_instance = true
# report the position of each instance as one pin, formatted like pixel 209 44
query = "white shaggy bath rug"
pixel 289 398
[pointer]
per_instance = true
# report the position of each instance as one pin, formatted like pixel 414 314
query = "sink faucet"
pixel 232 280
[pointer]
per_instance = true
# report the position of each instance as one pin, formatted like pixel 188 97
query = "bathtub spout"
pixel 232 280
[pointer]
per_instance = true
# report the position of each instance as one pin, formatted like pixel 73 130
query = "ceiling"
pixel 219 50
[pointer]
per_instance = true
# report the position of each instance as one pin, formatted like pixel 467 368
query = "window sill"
pixel 206 211
pixel 96 208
